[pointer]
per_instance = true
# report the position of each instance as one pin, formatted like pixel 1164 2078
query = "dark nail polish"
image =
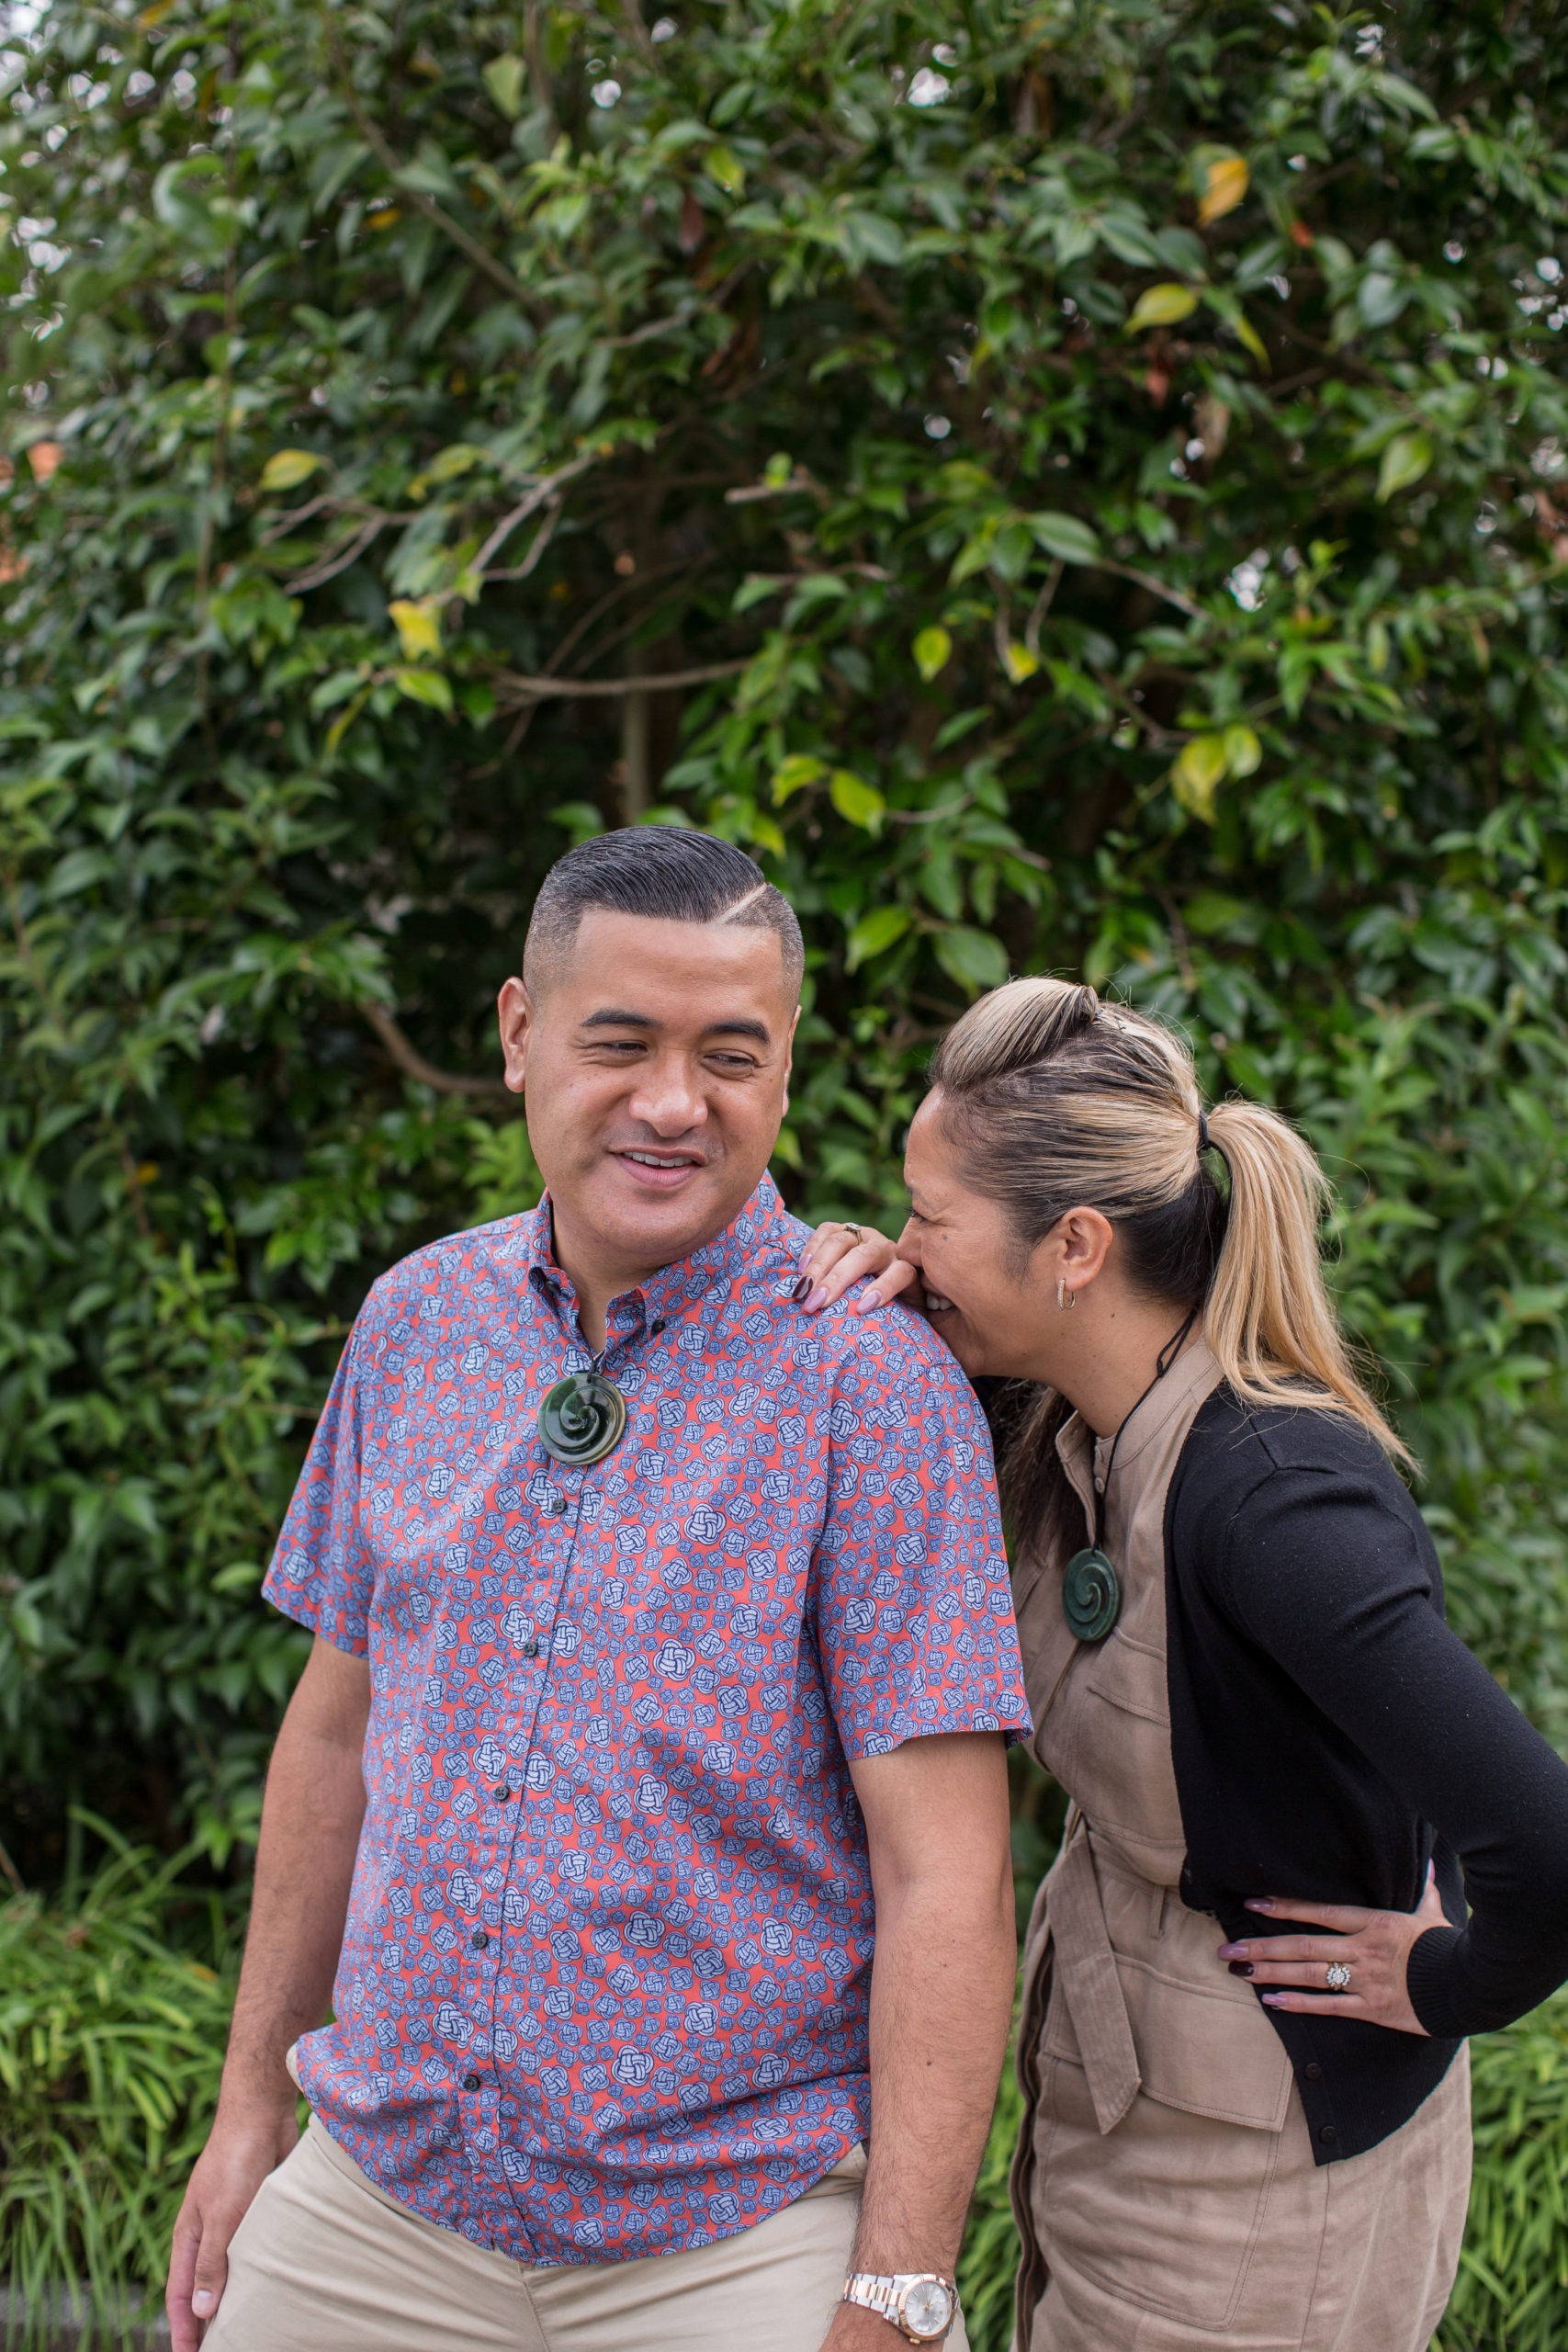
pixel 802 1290
pixel 1239 1967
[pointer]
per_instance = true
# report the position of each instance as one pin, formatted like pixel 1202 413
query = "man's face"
pixel 655 1064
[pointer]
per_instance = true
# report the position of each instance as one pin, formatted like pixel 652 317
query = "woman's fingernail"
pixel 1261 1902
pixel 1233 1952
pixel 802 1290
pixel 1241 1968
pixel 1272 2000
pixel 817 1298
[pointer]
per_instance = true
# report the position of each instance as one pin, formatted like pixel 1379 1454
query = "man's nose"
pixel 668 1097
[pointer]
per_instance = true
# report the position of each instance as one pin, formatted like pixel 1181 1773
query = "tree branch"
pixel 514 688
pixel 409 1059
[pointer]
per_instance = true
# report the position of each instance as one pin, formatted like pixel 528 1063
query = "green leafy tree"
pixel 1067 486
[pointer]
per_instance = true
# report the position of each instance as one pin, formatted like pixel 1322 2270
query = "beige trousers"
pixel 325 2261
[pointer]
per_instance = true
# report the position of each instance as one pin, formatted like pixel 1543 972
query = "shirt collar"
pixel 720 1262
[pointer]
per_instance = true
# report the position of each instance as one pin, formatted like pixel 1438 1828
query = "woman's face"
pixel 988 1306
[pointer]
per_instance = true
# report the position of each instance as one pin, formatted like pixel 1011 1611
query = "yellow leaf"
pixel 1017 662
pixel 288 468
pixel 932 650
pixel 1162 306
pixel 1225 183
pixel 724 165
pixel 1199 766
pixel 418 626
pixel 155 15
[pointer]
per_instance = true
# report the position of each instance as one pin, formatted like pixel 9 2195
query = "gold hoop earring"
pixel 1065 1297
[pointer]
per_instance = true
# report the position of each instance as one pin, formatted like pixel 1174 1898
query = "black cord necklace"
pixel 1091 1589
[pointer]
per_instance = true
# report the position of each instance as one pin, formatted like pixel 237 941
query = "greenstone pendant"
pixel 582 1418
pixel 1091 1595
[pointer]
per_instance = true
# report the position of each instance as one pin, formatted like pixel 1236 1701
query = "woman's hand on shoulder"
pixel 838 1255
pixel 1375 1946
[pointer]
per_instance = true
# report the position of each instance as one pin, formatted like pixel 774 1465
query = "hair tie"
pixel 1203 1132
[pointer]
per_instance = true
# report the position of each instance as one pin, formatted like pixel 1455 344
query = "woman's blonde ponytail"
pixel 1269 1316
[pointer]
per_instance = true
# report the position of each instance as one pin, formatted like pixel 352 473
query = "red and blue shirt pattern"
pixel 604 1987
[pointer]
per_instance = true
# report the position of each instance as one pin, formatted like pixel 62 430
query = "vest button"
pixel 1313 2071
pixel 1327 2134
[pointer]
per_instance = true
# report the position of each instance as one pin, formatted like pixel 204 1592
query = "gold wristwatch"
pixel 921 2304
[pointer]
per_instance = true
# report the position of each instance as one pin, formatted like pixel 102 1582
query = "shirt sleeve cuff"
pixel 1428 1980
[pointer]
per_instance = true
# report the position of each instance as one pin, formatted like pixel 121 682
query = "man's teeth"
pixel 647 1159
pixel 936 1305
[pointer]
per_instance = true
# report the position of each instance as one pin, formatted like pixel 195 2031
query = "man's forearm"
pixel 310 1835
pixel 942 1992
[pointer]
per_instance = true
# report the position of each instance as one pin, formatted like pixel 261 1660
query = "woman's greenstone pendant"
pixel 582 1418
pixel 1091 1595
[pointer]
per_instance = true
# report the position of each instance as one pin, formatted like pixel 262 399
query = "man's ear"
pixel 518 1020
pixel 789 1061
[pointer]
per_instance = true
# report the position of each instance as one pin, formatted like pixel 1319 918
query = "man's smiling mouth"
pixel 663 1158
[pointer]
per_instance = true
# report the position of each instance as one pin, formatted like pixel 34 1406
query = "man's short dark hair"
pixel 669 872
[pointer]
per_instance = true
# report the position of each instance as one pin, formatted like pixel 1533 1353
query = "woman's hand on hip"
pixel 1374 1946
pixel 838 1255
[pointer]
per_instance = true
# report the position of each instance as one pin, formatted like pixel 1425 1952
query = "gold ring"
pixel 856 1231
pixel 1338 1977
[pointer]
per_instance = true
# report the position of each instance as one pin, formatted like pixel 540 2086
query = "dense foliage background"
pixel 1070 485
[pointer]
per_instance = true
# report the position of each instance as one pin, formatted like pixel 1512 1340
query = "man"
pixel 651 1743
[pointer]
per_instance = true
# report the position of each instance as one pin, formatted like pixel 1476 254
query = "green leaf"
pixel 504 78
pixel 932 649
pixel 1162 306
pixel 287 468
pixel 1243 751
pixel 1405 459
pixel 874 933
pixel 722 165
pixel 800 769
pixel 1064 537
pixel 858 801
pixel 970 957
pixel 429 686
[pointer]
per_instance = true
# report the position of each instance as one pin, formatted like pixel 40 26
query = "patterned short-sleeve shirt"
pixel 603 1986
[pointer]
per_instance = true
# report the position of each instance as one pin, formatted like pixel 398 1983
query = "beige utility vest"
pixel 1118 1974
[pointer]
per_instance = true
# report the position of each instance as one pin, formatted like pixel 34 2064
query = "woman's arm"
pixel 1328 1575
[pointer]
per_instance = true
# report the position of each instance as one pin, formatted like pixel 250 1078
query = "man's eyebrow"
pixel 738 1026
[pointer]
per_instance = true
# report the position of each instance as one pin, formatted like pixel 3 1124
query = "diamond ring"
pixel 855 1231
pixel 1338 1977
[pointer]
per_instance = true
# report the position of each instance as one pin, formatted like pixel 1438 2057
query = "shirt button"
pixel 1327 2134
pixel 503 1796
pixel 1313 2071
pixel 530 1649
pixel 480 1940
pixel 470 2081
pixel 658 1324
pixel 556 1505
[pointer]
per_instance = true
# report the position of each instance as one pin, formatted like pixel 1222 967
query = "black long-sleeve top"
pixel 1331 1736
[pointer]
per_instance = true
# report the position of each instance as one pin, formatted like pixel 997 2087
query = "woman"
pixel 1248 1975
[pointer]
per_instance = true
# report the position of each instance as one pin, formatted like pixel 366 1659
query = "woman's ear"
pixel 1083 1241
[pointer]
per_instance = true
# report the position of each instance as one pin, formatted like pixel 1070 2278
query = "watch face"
pixel 927 2308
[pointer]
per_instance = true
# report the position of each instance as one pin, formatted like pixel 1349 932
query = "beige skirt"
pixel 1176 2231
